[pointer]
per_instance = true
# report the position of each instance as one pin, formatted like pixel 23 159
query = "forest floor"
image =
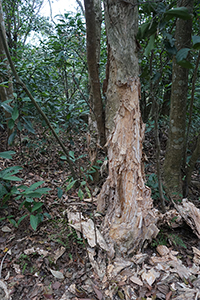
pixel 53 262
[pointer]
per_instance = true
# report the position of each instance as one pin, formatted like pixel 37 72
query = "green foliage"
pixel 161 239
pixel 177 241
pixel 27 195
pixel 177 12
pixel 181 58
pixel 22 17
pixel 152 182
pixel 196 42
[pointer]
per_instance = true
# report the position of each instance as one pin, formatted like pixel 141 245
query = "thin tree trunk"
pixel 93 22
pixel 189 168
pixel 6 93
pixel 193 160
pixel 130 220
pixel 175 146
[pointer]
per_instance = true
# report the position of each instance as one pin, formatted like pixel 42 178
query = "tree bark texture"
pixel 129 219
pixel 6 93
pixel 178 106
pixel 96 120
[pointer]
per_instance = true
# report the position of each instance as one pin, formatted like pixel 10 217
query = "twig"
pixel 1 266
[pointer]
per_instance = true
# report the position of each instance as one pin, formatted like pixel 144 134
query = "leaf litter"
pixel 66 257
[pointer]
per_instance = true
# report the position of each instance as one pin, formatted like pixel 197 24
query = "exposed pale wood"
pixel 130 219
pixel 191 214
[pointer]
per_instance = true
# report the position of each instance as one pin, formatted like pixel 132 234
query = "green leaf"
pixel 170 49
pixel 47 215
pixel 36 194
pixel 21 219
pixel 15 169
pixel 7 154
pixel 28 200
pixel 15 113
pixel 88 192
pixel 60 192
pixel 182 54
pixel 80 194
pixel 32 194
pixel 43 190
pixel 11 124
pixel 19 126
pixel 150 45
pixel 33 222
pixel 34 185
pixel 37 206
pixel 13 222
pixel 147 29
pixel 6 101
pixel 12 178
pixel 186 64
pixel 63 157
pixel 7 107
pixel 71 154
pixel 178 12
pixel 11 138
pixel 4 84
pixel 181 57
pixel 28 126
pixel 196 42
pixel 70 185
pixel 3 191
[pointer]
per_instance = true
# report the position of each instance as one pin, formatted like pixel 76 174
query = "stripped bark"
pixel 130 220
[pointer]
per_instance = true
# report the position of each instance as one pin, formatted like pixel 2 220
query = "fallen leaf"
pixel 29 251
pixel 162 250
pixel 168 296
pixel 98 292
pixel 59 253
pixel 136 280
pixel 6 229
pixel 17 268
pixel 42 252
pixel 48 296
pixel 150 276
pixel 57 274
pixel 56 285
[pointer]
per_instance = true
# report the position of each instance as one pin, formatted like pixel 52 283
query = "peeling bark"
pixel 130 219
pixel 191 214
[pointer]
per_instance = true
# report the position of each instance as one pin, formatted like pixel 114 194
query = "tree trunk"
pixel 96 121
pixel 6 93
pixel 175 146
pixel 130 219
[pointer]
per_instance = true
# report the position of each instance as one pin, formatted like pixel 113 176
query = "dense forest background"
pixel 51 153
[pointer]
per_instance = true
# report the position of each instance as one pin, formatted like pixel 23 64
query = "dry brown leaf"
pixel 98 293
pixel 162 250
pixel 59 253
pixel 150 276
pixel 57 274
pixel 136 280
